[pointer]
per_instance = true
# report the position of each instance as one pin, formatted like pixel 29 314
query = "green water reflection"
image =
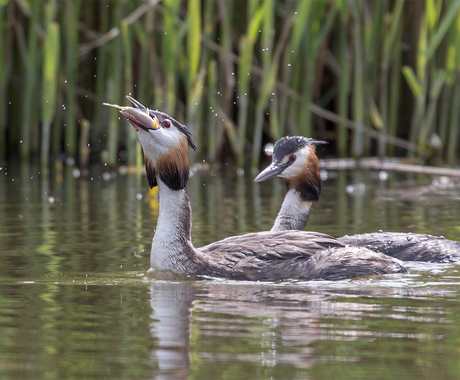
pixel 74 303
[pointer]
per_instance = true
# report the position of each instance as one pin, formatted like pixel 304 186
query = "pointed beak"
pixel 139 105
pixel 136 103
pixel 139 117
pixel 272 171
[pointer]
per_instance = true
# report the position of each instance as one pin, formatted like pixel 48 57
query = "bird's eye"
pixel 167 124
pixel 292 157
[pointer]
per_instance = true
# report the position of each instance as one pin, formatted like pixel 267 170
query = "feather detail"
pixel 172 168
pixel 150 170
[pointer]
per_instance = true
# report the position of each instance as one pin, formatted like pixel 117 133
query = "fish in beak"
pixel 139 116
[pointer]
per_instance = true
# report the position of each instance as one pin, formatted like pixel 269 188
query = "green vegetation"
pixel 372 77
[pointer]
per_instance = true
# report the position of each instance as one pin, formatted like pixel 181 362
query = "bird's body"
pixel 265 256
pixel 271 256
pixel 407 246
pixel 295 161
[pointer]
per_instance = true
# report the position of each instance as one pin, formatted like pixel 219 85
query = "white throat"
pixel 294 213
pixel 172 248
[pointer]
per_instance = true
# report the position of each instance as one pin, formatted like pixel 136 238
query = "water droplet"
pixel 357 189
pixel 269 149
pixel 50 199
pixel 383 176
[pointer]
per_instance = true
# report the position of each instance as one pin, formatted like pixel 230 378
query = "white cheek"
pixel 296 168
pixel 158 142
pixel 167 138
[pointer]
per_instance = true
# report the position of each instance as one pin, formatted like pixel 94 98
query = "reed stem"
pixel 358 83
pixel 265 68
pixel 32 65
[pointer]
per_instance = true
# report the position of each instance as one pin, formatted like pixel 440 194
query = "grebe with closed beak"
pixel 294 159
pixel 264 256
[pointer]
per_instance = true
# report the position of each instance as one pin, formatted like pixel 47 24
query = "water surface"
pixel 74 302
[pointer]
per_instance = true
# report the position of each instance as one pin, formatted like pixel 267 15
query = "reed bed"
pixel 372 77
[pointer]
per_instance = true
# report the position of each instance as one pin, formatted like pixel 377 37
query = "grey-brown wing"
pixel 273 245
pixel 293 255
pixel 407 246
pixel 336 264
pixel 264 256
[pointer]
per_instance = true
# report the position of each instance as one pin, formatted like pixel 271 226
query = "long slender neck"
pixel 294 212
pixel 172 248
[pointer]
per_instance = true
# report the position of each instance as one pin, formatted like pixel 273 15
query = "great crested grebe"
pixel 265 256
pixel 294 159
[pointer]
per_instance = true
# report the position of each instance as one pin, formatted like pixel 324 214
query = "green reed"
pixel 246 43
pixel 5 70
pixel 49 79
pixel 70 71
pixel 344 78
pixel 358 73
pixel 32 74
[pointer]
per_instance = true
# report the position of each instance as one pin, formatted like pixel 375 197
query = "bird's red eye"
pixel 167 123
pixel 292 157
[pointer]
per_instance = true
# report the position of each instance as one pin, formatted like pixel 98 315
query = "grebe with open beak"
pixel 264 256
pixel 294 159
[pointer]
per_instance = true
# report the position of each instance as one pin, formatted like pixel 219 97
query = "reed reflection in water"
pixel 250 331
pixel 73 302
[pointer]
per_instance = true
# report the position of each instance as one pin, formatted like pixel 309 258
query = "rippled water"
pixel 74 303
